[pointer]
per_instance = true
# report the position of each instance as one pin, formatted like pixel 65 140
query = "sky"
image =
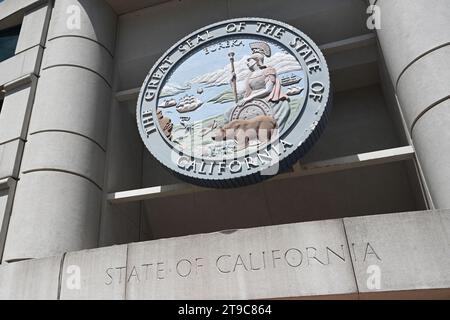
pixel 213 66
pixel 200 63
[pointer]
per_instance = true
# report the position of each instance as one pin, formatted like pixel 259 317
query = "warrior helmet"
pixel 260 49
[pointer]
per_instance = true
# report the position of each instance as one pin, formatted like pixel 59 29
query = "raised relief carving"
pixel 227 95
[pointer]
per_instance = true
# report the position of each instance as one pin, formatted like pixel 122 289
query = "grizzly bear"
pixel 243 131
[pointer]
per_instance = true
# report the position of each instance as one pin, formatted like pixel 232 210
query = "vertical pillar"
pixel 58 198
pixel 415 41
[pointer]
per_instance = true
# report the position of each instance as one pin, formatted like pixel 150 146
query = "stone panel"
pixel 14 113
pixel 294 260
pixel 64 151
pixel 42 227
pixel 30 280
pixel 425 83
pixel 8 8
pixel 32 29
pixel 405 251
pixel 72 99
pixel 93 267
pixel 431 136
pixel 410 29
pixel 83 53
pixel 97 21
pixel 21 65
pixel 10 159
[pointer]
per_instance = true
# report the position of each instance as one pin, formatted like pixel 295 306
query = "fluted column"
pixel 58 199
pixel 415 41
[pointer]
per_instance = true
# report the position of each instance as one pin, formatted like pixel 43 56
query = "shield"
pixel 251 109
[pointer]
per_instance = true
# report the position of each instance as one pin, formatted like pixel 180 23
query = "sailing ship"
pixel 288 80
pixel 168 103
pixel 188 104
pixel 293 91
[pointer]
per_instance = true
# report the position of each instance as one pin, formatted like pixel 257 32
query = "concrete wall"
pixel 360 122
pixel 58 200
pixel 404 255
pixel 145 34
pixel 18 78
pixel 57 136
pixel 8 8
pixel 72 135
pixel 415 39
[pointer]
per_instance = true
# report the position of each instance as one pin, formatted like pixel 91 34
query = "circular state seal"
pixel 235 102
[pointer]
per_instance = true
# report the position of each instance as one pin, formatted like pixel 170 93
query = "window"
pixel 8 42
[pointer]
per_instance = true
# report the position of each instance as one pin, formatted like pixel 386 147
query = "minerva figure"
pixel 263 83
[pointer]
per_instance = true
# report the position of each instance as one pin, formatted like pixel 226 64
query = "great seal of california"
pixel 235 102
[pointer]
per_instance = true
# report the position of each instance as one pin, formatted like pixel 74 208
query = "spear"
pixel 233 75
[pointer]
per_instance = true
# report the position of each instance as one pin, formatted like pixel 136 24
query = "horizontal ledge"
pixel 19 82
pixel 355 161
pixel 349 44
pixel 327 49
pixel 19 9
pixel 320 167
pixel 6 183
pixel 152 192
pixel 127 95
pixel 38 45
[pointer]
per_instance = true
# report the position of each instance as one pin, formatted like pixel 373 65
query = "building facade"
pixel 86 212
